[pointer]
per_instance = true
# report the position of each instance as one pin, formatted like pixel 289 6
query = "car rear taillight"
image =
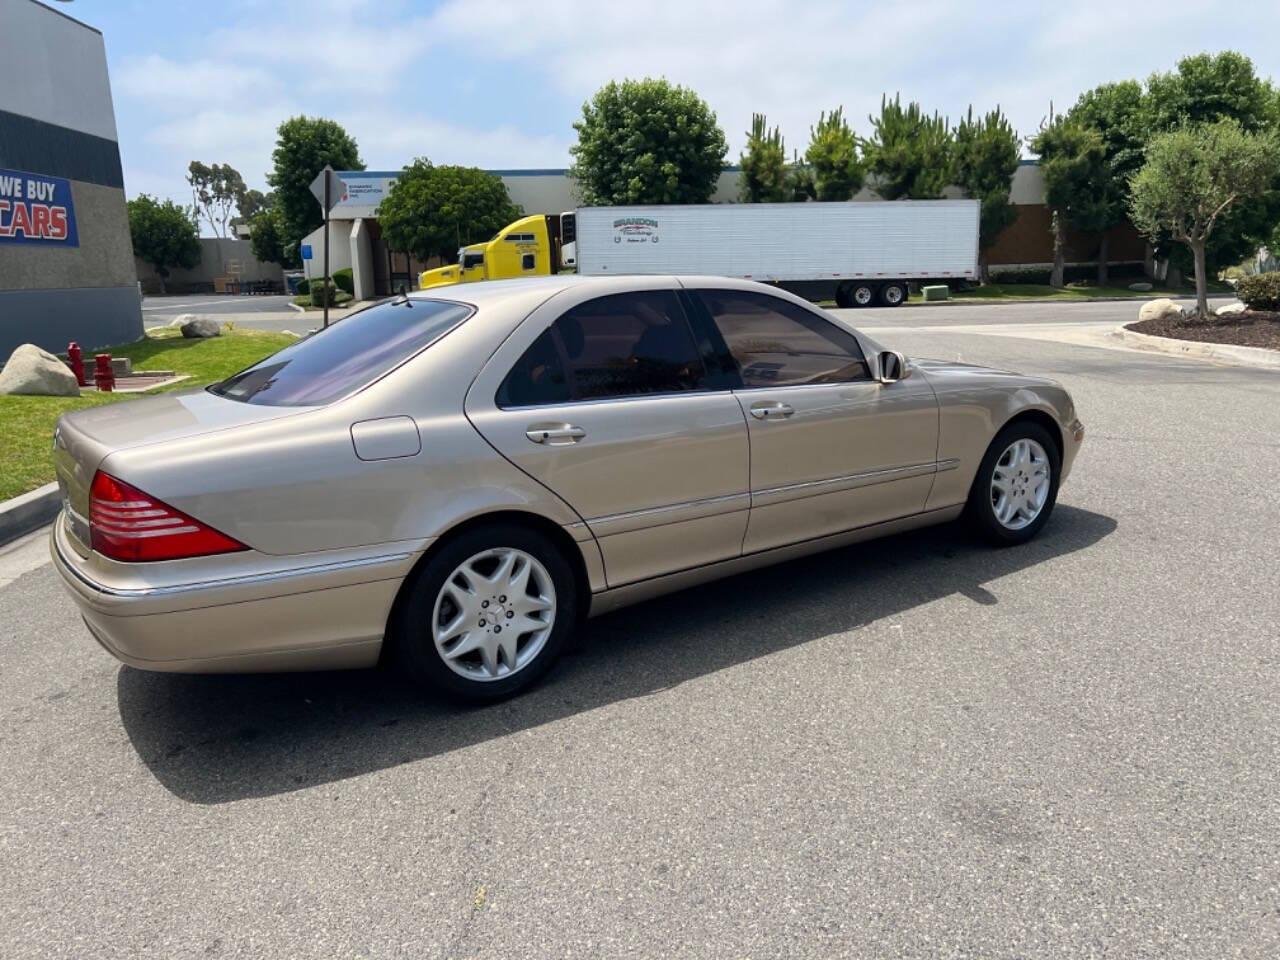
pixel 126 524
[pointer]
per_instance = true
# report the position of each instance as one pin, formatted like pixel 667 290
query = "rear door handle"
pixel 554 434
pixel 771 410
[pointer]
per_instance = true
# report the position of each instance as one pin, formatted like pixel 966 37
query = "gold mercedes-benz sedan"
pixel 456 479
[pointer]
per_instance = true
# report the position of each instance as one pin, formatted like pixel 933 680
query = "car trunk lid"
pixel 83 439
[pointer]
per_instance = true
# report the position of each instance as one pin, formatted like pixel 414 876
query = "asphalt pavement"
pixel 917 747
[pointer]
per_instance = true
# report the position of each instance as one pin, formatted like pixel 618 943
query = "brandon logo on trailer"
pixel 36 209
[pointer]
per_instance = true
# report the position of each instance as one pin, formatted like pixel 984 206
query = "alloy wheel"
pixel 1020 484
pixel 494 613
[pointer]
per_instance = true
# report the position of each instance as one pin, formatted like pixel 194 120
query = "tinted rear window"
pixel 352 353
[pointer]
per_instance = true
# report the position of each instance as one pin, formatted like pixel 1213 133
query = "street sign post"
pixel 327 188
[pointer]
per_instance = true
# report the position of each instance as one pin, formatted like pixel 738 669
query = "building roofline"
pixel 66 16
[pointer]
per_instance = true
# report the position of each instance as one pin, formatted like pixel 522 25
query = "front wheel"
pixel 1017 484
pixel 487 615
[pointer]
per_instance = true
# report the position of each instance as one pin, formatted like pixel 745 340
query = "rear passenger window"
pixel 625 345
pixel 778 343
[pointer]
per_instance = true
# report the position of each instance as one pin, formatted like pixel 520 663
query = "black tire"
pixel 842 295
pixel 980 510
pixel 413 647
pixel 893 294
pixel 862 294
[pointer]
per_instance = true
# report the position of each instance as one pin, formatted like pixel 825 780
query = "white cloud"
pixel 389 140
pixel 175 85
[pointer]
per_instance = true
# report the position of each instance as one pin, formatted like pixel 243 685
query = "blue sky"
pixel 498 83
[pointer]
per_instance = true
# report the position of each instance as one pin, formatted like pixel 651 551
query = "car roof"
pixel 490 292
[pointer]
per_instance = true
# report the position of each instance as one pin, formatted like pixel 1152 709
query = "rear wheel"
pixel 893 294
pixel 842 295
pixel 488 614
pixel 862 294
pixel 1016 486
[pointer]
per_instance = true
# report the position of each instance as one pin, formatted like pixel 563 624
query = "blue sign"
pixel 306 251
pixel 36 209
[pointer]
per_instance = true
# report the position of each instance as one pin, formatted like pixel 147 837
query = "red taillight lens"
pixel 126 524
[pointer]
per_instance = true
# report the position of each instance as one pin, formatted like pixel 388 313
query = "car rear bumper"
pixel 324 613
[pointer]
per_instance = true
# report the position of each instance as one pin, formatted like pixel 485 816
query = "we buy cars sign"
pixel 36 209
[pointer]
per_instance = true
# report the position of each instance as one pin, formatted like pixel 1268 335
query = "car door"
pixel 609 402
pixel 831 448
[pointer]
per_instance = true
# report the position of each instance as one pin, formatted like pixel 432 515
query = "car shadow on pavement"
pixel 213 739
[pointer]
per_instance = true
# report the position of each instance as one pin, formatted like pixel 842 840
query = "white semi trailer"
pixel 857 253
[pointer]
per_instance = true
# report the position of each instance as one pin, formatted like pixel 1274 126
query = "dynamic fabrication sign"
pixel 36 209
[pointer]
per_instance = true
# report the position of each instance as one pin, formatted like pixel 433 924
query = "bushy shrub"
pixel 344 279
pixel 1261 291
pixel 318 288
pixel 304 286
pixel 1021 275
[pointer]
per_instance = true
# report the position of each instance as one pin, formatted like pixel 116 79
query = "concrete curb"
pixel 297 309
pixel 1219 352
pixel 28 511
pixel 1003 302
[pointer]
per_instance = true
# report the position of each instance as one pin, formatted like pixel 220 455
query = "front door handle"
pixel 771 410
pixel 554 434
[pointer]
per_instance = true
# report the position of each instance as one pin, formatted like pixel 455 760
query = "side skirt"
pixel 609 600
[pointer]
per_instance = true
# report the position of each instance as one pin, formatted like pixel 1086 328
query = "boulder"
pixel 1230 310
pixel 1162 309
pixel 199 328
pixel 35 372
pixel 1142 286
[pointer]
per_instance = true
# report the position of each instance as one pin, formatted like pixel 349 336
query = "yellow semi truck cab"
pixel 520 249
pixel 529 247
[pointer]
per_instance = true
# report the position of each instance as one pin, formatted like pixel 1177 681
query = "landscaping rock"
pixel 1140 286
pixel 35 372
pixel 1162 309
pixel 1230 310
pixel 200 328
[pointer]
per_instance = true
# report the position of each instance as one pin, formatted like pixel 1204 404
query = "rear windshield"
pixel 350 354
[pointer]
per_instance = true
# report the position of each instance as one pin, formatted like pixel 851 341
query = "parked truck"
pixel 857 253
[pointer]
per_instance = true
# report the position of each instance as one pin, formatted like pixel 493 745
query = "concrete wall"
pixel 56 119
pixel 217 257
pixel 339 248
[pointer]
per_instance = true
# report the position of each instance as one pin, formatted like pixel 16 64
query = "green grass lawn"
pixel 26 423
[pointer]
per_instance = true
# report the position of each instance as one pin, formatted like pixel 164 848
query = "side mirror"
pixel 893 366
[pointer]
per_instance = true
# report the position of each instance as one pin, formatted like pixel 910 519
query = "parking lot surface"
pixel 917 747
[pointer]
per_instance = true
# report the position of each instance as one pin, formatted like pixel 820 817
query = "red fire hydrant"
pixel 76 359
pixel 103 375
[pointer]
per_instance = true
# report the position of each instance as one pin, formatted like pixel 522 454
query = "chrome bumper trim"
pixel 130 593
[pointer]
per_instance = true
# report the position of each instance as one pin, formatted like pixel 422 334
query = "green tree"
pixel 432 211
pixel 163 235
pixel 647 141
pixel 908 153
pixel 984 159
pixel 764 165
pixel 1073 163
pixel 267 240
pixel 833 158
pixel 800 184
pixel 1116 112
pixel 304 146
pixel 216 189
pixel 1203 89
pixel 1193 176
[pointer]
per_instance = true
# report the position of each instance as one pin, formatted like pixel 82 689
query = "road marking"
pixel 175 311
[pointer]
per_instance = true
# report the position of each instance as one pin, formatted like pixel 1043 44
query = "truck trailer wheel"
pixel 862 294
pixel 842 295
pixel 893 294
